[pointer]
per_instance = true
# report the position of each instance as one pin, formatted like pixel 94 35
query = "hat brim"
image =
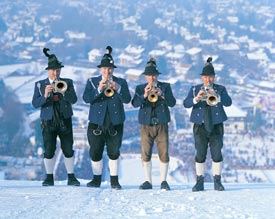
pixel 111 66
pixel 207 74
pixel 151 73
pixel 54 67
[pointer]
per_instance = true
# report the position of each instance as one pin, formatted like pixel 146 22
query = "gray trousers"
pixel 151 133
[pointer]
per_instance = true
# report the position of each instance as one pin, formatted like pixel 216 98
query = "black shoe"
pixel 217 183
pixel 164 185
pixel 48 181
pixel 114 182
pixel 96 182
pixel 146 185
pixel 72 181
pixel 199 186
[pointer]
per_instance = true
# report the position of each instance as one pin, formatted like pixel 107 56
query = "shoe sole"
pixel 74 185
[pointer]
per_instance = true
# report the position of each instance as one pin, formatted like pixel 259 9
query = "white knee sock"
pixel 49 165
pixel 163 171
pixel 216 168
pixel 147 166
pixel 200 169
pixel 69 164
pixel 113 167
pixel 97 167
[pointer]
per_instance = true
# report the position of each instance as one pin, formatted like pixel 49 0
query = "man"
pixel 55 96
pixel 153 99
pixel 106 95
pixel 207 101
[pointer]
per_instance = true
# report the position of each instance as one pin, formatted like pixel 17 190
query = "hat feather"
pixel 208 61
pixel 152 60
pixel 109 50
pixel 45 51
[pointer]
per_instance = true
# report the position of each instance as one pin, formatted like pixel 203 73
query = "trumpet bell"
pixel 60 87
pixel 109 92
pixel 212 100
pixel 153 98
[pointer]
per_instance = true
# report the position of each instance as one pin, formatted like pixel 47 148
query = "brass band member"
pixel 208 118
pixel 106 95
pixel 55 96
pixel 153 100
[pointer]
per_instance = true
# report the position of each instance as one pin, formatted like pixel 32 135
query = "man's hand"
pixel 200 95
pixel 158 91
pixel 147 91
pixel 114 85
pixel 102 85
pixel 48 90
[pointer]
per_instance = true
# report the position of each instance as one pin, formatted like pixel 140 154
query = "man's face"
pixel 54 73
pixel 151 78
pixel 107 72
pixel 208 80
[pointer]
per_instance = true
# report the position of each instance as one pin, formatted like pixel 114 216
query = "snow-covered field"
pixel 29 200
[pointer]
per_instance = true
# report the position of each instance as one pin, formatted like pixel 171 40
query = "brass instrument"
pixel 211 97
pixel 109 91
pixel 153 97
pixel 59 86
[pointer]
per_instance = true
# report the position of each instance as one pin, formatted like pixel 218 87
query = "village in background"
pixel 181 35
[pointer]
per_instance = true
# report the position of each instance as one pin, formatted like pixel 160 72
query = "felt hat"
pixel 208 68
pixel 151 68
pixel 53 62
pixel 107 59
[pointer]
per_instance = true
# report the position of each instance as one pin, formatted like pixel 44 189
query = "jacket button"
pixel 100 105
pixel 198 114
pixel 115 112
pixel 99 112
pixel 217 114
pixel 114 104
pixel 200 107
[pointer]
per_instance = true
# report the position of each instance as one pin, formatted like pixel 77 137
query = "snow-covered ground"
pixel 29 200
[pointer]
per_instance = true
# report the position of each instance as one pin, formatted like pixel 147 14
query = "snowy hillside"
pixel 23 199
pixel 29 200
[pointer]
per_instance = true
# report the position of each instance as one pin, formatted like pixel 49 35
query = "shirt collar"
pixel 51 81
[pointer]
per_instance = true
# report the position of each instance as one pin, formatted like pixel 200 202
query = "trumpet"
pixel 59 86
pixel 210 96
pixel 109 91
pixel 153 97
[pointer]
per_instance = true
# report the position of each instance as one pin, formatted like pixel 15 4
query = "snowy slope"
pixel 22 199
pixel 29 200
